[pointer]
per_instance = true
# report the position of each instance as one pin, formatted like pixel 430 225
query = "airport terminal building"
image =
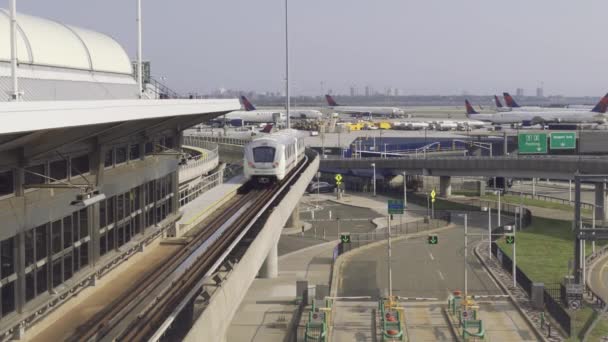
pixel 88 171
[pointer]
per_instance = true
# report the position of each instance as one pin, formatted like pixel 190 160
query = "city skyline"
pixel 418 47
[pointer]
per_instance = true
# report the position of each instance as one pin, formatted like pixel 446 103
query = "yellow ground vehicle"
pixel 384 125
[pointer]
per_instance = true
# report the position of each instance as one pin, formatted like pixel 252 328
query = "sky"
pixel 422 47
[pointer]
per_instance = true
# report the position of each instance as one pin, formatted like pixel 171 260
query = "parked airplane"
pixel 363 110
pixel 596 115
pixel 499 106
pixel 293 112
pixel 514 106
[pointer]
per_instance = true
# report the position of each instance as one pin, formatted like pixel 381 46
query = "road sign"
pixel 345 238
pixel 532 143
pixel 433 239
pixel 433 194
pixel 395 206
pixel 338 178
pixel 510 239
pixel 563 140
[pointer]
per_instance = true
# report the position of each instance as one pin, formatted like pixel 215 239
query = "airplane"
pixel 596 115
pixel 499 106
pixel 514 106
pixel 356 110
pixel 250 114
pixel 293 112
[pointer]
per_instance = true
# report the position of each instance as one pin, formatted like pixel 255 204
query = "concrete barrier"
pixel 214 321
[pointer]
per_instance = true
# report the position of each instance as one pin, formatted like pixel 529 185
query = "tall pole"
pixel 140 83
pixel 489 231
pixel 390 271
pixel 405 199
pixel 514 260
pixel 498 206
pixel 374 185
pixel 466 253
pixel 15 93
pixel 287 67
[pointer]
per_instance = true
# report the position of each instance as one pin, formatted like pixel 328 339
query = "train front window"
pixel 263 154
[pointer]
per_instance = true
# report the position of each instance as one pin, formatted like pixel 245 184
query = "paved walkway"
pixel 268 307
pixel 353 321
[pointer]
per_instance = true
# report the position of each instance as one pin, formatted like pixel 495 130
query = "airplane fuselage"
pixel 380 111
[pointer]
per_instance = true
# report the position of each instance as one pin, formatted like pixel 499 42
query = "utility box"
pixel 537 297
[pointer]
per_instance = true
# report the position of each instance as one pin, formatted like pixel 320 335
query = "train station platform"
pixel 205 204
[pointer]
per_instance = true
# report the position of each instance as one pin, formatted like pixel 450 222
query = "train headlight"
pixel 251 165
pixel 275 164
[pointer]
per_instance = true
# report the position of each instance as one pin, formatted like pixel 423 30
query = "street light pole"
pixel 140 82
pixel 466 249
pixel 498 206
pixel 287 105
pixel 405 199
pixel 15 96
pixel 374 179
pixel 390 271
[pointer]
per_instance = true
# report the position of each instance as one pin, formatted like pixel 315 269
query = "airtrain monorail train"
pixel 271 157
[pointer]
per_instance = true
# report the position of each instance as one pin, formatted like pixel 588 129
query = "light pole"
pixel 390 271
pixel 15 96
pixel 489 210
pixel 374 179
pixel 140 82
pixel 287 67
pixel 466 249
pixel 405 199
pixel 499 208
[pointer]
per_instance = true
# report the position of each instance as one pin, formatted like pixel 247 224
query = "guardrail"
pixel 221 140
pixel 192 190
pixel 584 205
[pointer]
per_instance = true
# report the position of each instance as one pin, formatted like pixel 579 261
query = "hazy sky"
pixel 418 46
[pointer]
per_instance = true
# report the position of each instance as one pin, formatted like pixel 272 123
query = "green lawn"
pixel 601 329
pixel 543 251
pixel 514 199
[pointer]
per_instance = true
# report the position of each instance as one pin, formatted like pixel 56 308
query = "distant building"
pixel 368 91
pixel 540 92
pixel 396 92
pixel 519 92
pixel 389 91
pixel 353 91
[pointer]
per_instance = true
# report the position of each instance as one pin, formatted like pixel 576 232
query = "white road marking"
pixel 432 257
pixel 440 275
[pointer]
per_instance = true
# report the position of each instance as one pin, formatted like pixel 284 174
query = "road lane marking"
pixel 431 255
pixel 440 275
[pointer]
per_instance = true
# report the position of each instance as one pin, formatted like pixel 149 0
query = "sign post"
pixel 433 194
pixel 338 179
pixel 563 140
pixel 532 143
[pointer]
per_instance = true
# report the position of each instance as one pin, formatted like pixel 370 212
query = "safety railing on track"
pixel 221 140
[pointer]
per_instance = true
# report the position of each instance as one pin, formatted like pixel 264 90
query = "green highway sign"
pixel 529 143
pixel 395 206
pixel 510 239
pixel 563 141
pixel 433 240
pixel 345 238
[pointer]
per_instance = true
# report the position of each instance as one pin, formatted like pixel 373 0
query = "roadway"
pixel 419 269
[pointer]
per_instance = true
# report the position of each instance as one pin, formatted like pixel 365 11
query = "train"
pixel 269 158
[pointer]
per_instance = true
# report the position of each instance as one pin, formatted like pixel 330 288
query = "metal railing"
pixel 200 164
pixel 193 190
pixel 584 205
pixel 222 140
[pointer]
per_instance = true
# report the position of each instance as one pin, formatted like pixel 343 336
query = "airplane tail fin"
pixel 330 100
pixel 601 106
pixel 248 106
pixel 267 128
pixel 510 101
pixel 497 101
pixel 470 109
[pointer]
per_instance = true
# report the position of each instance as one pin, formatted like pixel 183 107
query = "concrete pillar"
pixel 270 267
pixel 445 186
pixel 600 201
pixel 294 220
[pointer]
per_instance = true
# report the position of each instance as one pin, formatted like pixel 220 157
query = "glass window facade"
pixel 7 182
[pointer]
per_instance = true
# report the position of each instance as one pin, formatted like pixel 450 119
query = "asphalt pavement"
pixel 420 269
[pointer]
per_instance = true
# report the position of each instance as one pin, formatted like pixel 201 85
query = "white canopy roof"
pixel 49 43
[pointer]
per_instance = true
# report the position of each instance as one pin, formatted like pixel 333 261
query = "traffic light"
pixel 345 238
pixel 433 239
pixel 510 239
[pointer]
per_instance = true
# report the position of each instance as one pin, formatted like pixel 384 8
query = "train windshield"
pixel 263 154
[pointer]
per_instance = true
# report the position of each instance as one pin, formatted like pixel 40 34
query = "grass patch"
pixel 600 330
pixel 543 251
pixel 514 199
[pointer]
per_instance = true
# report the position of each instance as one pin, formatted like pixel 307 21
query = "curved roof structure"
pixel 49 43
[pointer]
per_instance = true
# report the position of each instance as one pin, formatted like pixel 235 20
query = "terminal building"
pixel 88 171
